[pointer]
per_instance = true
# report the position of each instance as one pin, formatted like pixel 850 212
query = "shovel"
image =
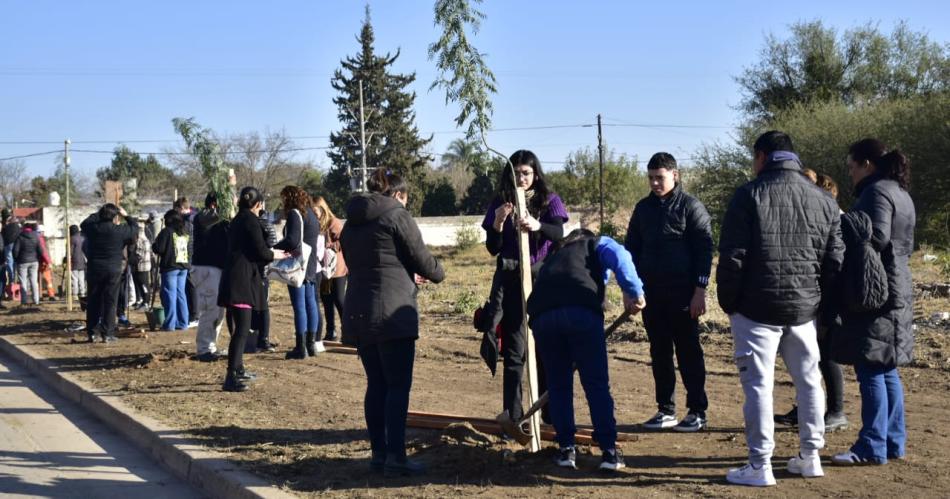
pixel 513 428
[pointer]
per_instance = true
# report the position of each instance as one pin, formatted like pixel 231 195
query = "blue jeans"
pixel 174 300
pixel 569 336
pixel 306 313
pixel 882 434
pixel 388 367
pixel 7 275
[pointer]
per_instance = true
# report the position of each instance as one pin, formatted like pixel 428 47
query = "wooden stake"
pixel 524 262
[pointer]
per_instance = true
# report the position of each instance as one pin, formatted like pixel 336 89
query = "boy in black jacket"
pixel 670 239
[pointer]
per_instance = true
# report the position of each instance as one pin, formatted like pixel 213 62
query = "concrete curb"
pixel 208 471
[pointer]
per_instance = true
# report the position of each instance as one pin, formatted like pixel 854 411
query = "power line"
pixel 29 155
pixel 438 132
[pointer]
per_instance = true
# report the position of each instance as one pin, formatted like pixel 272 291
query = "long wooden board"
pixel 524 262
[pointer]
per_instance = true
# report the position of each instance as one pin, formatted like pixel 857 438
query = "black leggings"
pixel 333 299
pixel 242 327
pixel 260 320
pixel 831 372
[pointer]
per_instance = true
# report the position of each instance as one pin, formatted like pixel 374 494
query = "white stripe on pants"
pixel 210 316
pixel 756 346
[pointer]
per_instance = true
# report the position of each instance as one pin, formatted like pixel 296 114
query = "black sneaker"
pixel 788 419
pixel 693 422
pixel 246 376
pixel 612 460
pixel 660 421
pixel 266 347
pixel 377 463
pixel 835 421
pixel 567 458
pixel 210 357
pixel 234 385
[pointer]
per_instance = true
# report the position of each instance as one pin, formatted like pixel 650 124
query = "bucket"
pixel 156 317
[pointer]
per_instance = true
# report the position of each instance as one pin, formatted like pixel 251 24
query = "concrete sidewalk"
pixel 50 447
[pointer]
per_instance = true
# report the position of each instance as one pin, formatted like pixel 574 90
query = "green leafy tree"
pixel 440 200
pixel 393 141
pixel 463 73
pixel 816 63
pixel 578 184
pixel 200 142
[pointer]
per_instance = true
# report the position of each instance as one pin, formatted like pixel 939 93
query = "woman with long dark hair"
pixel 878 341
pixel 387 259
pixel 171 246
pixel 302 221
pixel 544 225
pixel 242 281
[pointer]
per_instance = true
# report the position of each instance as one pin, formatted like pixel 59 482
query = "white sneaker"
pixel 319 347
pixel 749 475
pixel 808 467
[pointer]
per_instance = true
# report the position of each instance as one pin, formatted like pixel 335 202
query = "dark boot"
pixel 330 336
pixel 402 466
pixel 233 384
pixel 311 344
pixel 299 351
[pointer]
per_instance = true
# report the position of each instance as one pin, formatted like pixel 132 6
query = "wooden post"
pixel 524 262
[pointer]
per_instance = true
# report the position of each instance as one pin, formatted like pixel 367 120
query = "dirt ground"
pixel 301 424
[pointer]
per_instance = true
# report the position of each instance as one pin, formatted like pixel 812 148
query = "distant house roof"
pixel 24 213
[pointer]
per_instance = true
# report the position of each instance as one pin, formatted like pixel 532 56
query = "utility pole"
pixel 600 151
pixel 69 253
pixel 360 185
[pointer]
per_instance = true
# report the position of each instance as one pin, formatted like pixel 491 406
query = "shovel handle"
pixel 624 317
pixel 535 407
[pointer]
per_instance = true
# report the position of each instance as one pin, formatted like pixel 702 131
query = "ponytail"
pixel 895 166
pixel 891 165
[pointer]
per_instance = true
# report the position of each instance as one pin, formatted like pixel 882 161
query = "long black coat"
pixel 242 281
pixel 383 250
pixel 885 337
pixel 780 246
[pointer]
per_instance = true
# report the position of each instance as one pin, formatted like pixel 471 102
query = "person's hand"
pixel 419 279
pixel 634 305
pixel 697 306
pixel 529 224
pixel 280 254
pixel 501 214
pixel 122 212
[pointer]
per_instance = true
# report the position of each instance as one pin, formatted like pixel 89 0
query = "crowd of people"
pixel 797 276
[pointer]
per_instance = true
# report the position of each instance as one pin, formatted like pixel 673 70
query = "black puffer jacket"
pixel 670 240
pixel 383 250
pixel 26 248
pixel 780 246
pixel 884 337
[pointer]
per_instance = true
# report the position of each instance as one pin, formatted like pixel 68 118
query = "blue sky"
pixel 120 71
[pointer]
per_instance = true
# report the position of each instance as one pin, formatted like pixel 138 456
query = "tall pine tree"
pixel 395 142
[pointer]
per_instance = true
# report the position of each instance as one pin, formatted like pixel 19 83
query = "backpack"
pixel 863 277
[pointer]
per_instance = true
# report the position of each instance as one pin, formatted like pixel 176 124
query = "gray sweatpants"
pixel 210 316
pixel 29 282
pixel 756 346
pixel 78 283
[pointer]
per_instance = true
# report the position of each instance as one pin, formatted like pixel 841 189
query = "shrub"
pixel 467 236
